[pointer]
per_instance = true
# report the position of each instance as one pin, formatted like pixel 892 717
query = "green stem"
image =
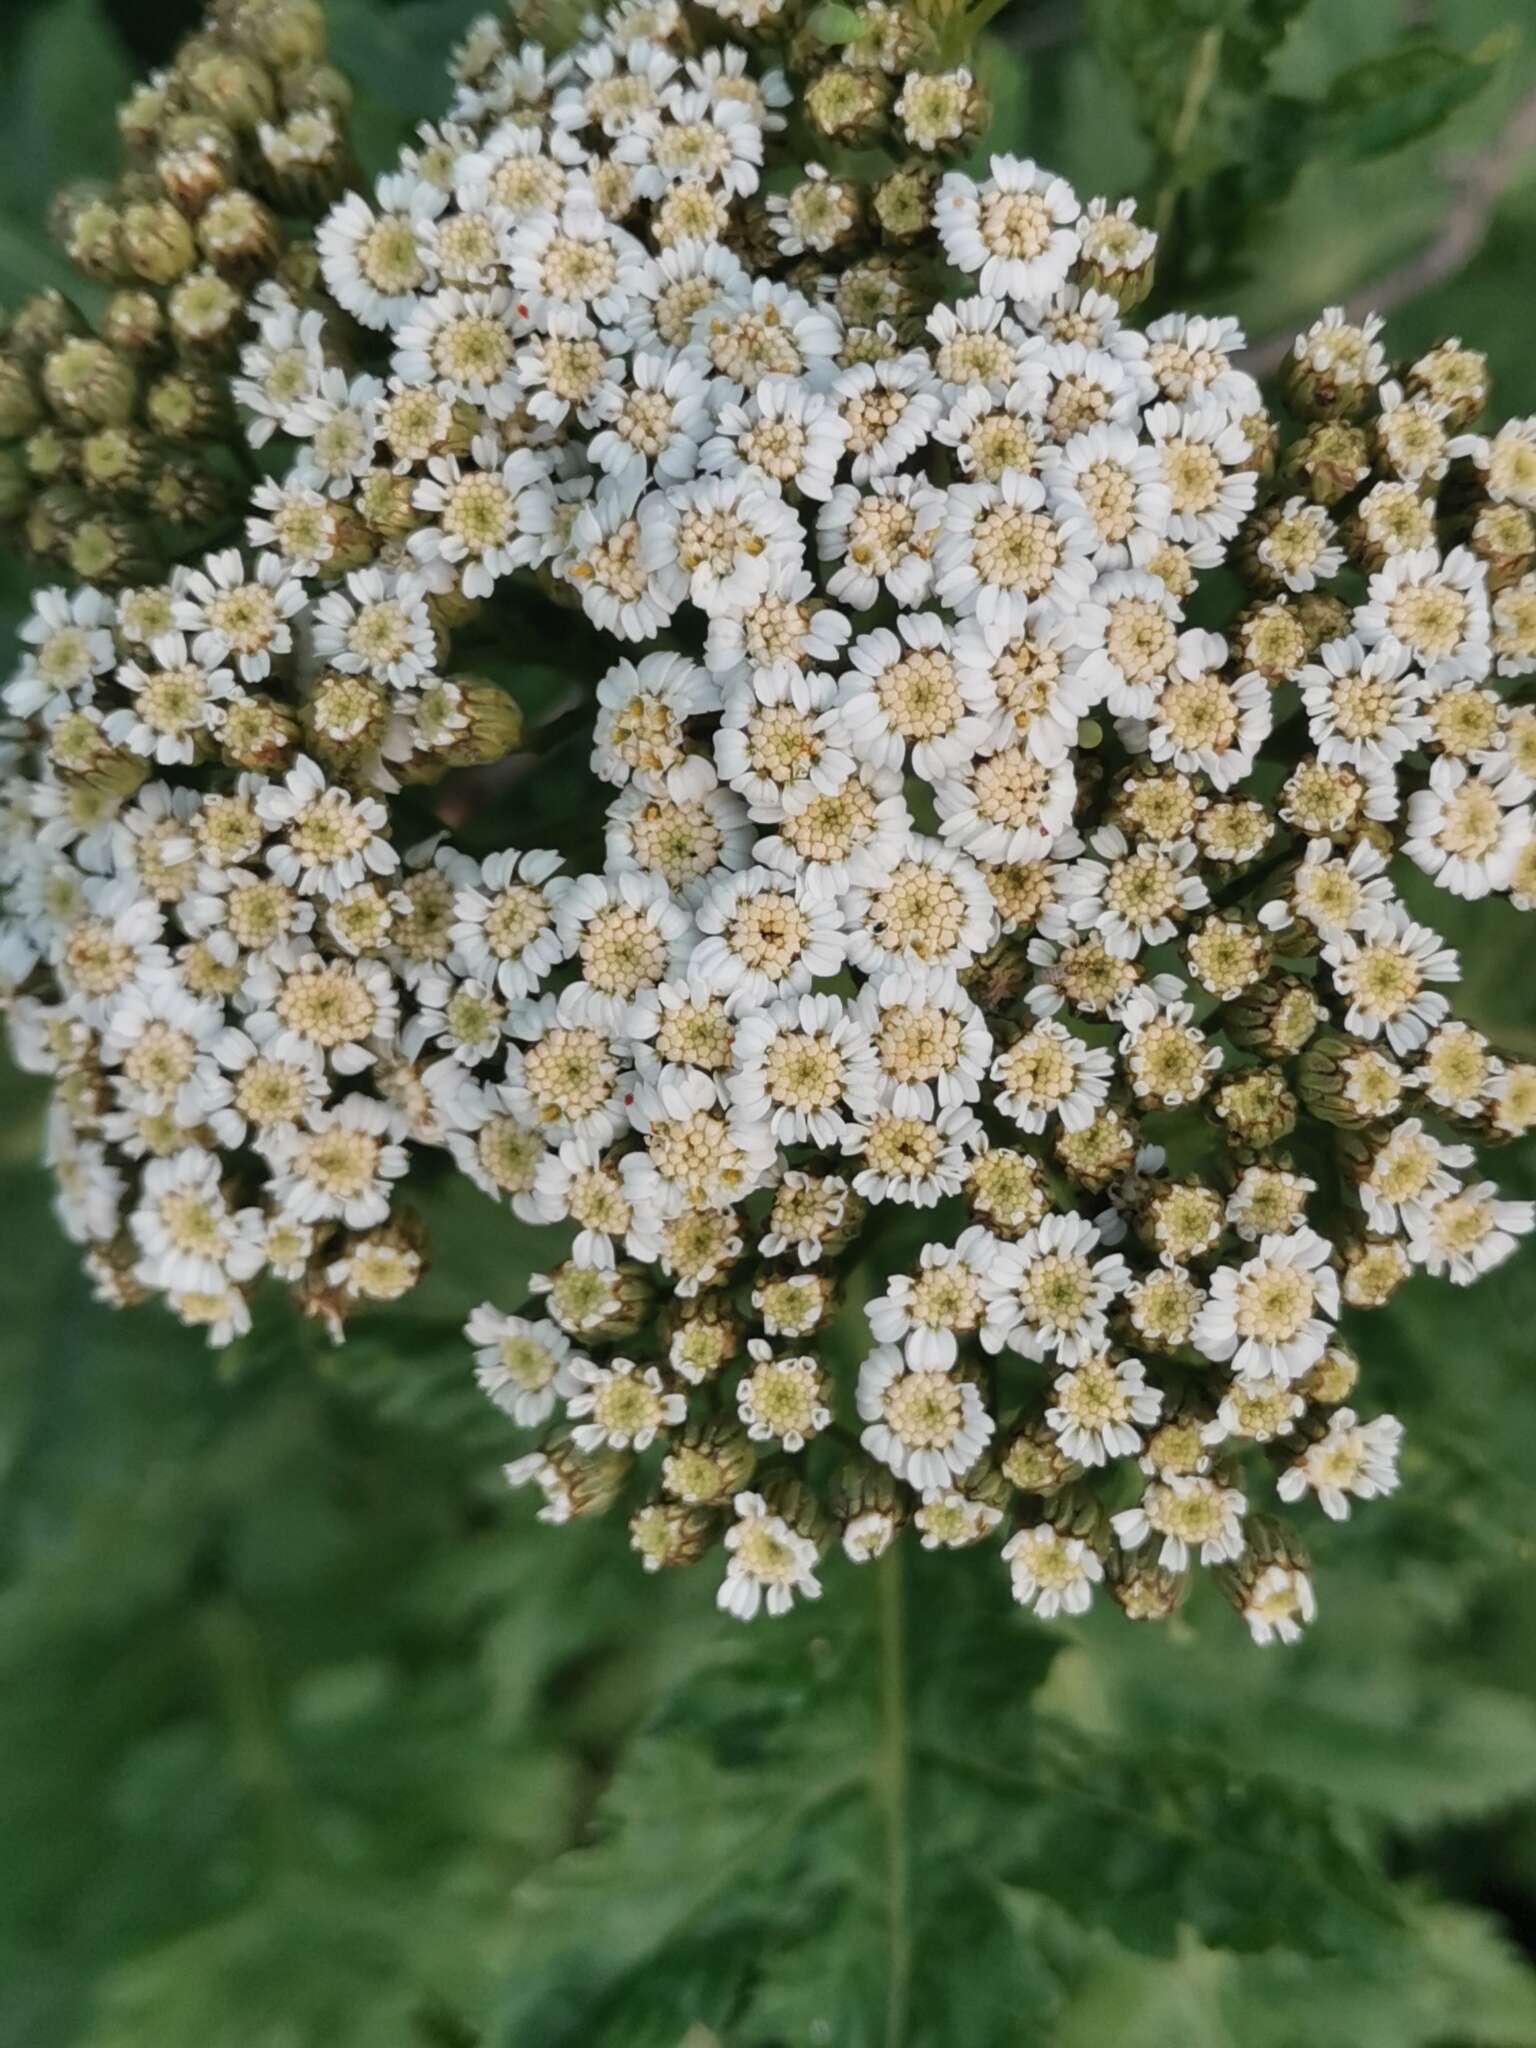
pixel 1203 68
pixel 892 1788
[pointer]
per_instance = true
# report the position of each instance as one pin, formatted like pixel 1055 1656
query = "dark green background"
pixel 308 1736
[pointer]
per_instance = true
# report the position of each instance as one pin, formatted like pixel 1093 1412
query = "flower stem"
pixel 1202 76
pixel 891 1773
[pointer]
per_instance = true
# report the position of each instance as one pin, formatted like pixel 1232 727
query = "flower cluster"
pixel 973 912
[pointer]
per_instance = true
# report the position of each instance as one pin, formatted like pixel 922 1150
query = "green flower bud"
pixel 89 385
pixel 205 313
pixel 196 160
pixel 1329 462
pixel 260 734
pixel 41 322
pixel 1276 1017
pixel 21 403
pixel 708 1462
pixel 186 405
pixel 903 203
pixel 846 106
pixel 1034 1462
pixel 238 235
pixel 184 493
pixel 133 323
pixel 157 241
pixel 1256 1108
pixel 287 34
pixel 108 548
pixel 666 1534
pixel 115 460
pixel 235 87
pixel 1452 376
pixel 88 228
pixel 140 115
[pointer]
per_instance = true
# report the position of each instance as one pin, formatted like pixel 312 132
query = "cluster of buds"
pixel 116 444
pixel 993 1054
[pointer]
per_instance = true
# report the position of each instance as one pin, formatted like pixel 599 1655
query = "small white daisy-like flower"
pixel 916 1159
pixel 523 1366
pixel 927 1312
pixel 1272 1316
pixel 1469 1232
pixel 1435 609
pixel 1049 1291
pixel 1191 1511
pixel 800 1065
pixel 1100 1407
pixel 1051 1573
pixel 931 1043
pixel 768 1562
pixel 340 1165
pixel 1279 1604
pixel 330 840
pixel 1353 1460
pixel 486 518
pixel 783 741
pixel 782 1400
pixel 926 1422
pixel 906 691
pixel 1466 829
pixel 622 1406
pixel 379 626
pixel 1133 897
pixel 1050 1073
pixel 504 929
pixel 1200 453
pixel 1383 972
pixel 881 538
pixel 929 907
pixel 1001 552
pixel 1019 229
pixel 176 704
pixel 763 934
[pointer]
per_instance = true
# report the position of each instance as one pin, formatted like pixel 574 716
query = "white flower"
pixel 1470 1232
pixel 718 540
pixel 626 933
pixel 928 907
pixel 1200 453
pixel 1382 971
pixel 930 1041
pixel 627 1404
pixel 907 690
pixel 763 934
pixel 926 1313
pixel 1048 1292
pixel 1434 610
pixel 371 261
pixel 1353 1460
pixel 800 1063
pixel 340 1164
pixel 782 1400
pixel 925 1422
pixel 1114 483
pixel 1190 1511
pixel 1051 1573
pixel 486 519
pixel 911 1158
pixel 1279 1604
pixel 1273 1316
pixel 881 538
pixel 1049 1072
pixel 1133 898
pixel 330 840
pixel 1002 552
pixel 188 1237
pixel 768 1562
pixel 504 930
pixel 523 1366
pixel 1466 829
pixel 783 741
pixel 1018 229
pixel 379 626
pixel 660 426
pixel 1363 706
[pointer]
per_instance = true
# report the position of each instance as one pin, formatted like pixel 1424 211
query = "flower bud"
pixel 205 313
pixel 902 203
pixel 110 549
pixel 187 405
pixel 1035 1463
pixel 21 403
pixel 88 228
pixel 196 161
pixel 184 493
pixel 286 34
pixel 1256 1108
pixel 574 1482
pixel 238 235
pixel 1143 1591
pixel 133 323
pixel 236 88
pixel 115 460
pixel 848 107
pixel 259 734
pixel 1329 462
pixel 708 1463
pixel 88 384
pixel 1276 1017
pixel 158 241
pixel 666 1533
pixel 42 322
pixel 1455 377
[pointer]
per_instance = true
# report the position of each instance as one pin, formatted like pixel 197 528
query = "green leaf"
pixel 1386 102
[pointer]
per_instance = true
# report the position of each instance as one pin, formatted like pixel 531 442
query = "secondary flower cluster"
pixel 974 913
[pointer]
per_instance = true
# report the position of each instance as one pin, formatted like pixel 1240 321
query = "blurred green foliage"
pixel 308 1735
